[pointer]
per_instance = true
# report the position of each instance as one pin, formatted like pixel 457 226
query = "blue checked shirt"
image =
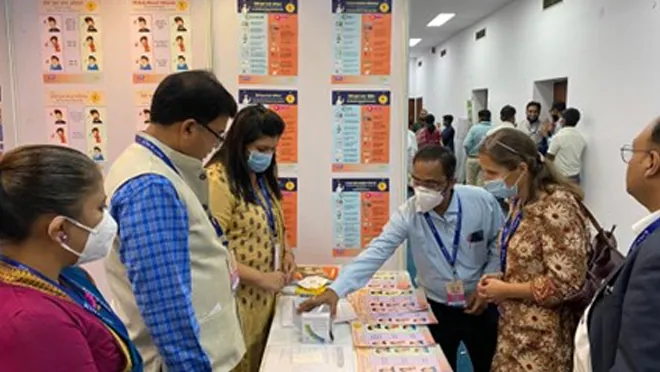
pixel 153 234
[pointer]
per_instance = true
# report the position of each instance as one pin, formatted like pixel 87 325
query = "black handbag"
pixel 603 259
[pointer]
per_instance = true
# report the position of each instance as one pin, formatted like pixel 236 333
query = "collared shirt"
pixel 477 255
pixel 567 146
pixel 533 130
pixel 474 138
pixel 153 234
pixel 448 137
pixel 645 222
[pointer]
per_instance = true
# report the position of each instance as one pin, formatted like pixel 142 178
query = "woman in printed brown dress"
pixel 543 247
pixel 245 198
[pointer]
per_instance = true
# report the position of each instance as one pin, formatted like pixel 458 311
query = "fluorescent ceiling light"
pixel 441 19
pixel 414 42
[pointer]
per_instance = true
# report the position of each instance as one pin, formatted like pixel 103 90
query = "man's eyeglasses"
pixel 220 137
pixel 627 152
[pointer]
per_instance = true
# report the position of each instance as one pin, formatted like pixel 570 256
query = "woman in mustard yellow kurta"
pixel 245 198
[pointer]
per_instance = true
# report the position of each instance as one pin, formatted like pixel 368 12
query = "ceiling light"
pixel 441 19
pixel 414 42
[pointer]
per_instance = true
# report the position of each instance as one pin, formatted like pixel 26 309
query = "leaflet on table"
pixel 306 358
pixel 327 271
pixel 390 280
pixel 390 335
pixel 423 317
pixel 361 131
pixel 416 359
pixel 268 42
pixel 143 108
pixel 364 302
pixel 161 40
pixel 78 119
pixel 289 188
pixel 285 104
pixel 71 41
pixel 362 41
pixel 361 209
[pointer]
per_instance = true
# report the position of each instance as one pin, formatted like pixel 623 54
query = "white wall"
pixel 412 77
pixel 608 49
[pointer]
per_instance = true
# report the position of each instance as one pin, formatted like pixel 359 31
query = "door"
pixel 560 90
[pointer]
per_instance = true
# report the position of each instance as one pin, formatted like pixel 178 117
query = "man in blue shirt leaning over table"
pixel 452 230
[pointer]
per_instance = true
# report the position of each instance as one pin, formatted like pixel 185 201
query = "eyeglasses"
pixel 627 152
pixel 220 137
pixel 431 185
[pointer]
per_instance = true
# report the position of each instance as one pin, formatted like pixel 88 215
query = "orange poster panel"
pixel 289 187
pixel 375 135
pixel 283 42
pixel 376 44
pixel 285 104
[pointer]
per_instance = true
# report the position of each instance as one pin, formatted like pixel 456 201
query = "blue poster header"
pixel 362 6
pixel 268 6
pixel 267 97
pixel 361 98
pixel 361 185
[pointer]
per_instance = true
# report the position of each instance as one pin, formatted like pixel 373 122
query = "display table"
pixel 285 352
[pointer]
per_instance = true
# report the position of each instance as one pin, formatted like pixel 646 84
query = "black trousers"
pixel 478 333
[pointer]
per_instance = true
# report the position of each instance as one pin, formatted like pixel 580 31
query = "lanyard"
pixel 451 259
pixel 644 234
pixel 268 208
pixel 162 156
pixel 509 228
pixel 84 299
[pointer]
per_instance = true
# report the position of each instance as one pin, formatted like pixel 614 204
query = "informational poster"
pixel 78 119
pixel 361 209
pixel 361 131
pixel 289 187
pixel 71 41
pixel 285 104
pixel 268 41
pixel 160 40
pixel 390 335
pixel 362 41
pixel 142 108
pixel 410 359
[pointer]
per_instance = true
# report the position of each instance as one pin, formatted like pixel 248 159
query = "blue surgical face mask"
pixel 500 190
pixel 259 161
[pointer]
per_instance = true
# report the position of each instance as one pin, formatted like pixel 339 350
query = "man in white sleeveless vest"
pixel 172 276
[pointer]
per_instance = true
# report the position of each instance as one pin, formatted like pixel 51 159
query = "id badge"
pixel 278 256
pixel 233 271
pixel 456 293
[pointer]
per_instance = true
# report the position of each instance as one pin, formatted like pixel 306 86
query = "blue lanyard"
pixel 644 234
pixel 70 290
pixel 451 259
pixel 162 156
pixel 268 208
pixel 509 228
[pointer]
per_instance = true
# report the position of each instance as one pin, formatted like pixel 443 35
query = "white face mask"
pixel 99 241
pixel 426 199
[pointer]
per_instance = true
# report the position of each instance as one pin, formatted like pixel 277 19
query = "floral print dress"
pixel 548 250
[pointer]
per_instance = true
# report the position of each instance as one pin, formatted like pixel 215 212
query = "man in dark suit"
pixel 624 320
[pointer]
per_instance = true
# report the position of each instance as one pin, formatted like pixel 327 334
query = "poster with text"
pixel 142 108
pixel 285 104
pixel 78 119
pixel 390 335
pixel 268 41
pixel 410 359
pixel 160 39
pixel 289 187
pixel 361 208
pixel 71 41
pixel 362 41
pixel 361 131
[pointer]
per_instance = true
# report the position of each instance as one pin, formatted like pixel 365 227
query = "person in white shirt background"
pixel 507 119
pixel 411 150
pixel 567 146
pixel 532 124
